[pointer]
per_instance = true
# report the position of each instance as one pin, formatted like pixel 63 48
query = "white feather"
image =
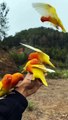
pixel 50 70
pixel 44 9
pixel 32 48
pixel 42 67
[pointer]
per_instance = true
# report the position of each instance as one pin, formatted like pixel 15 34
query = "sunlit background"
pixel 23 16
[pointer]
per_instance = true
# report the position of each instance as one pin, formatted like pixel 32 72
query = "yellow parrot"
pixel 41 56
pixel 38 73
pixel 37 69
pixel 49 14
pixel 8 82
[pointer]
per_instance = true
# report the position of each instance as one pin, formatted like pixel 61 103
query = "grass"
pixel 31 106
pixel 59 74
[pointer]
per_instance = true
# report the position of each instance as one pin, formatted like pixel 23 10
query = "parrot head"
pixel 29 64
pixel 34 61
pixel 6 81
pixel 33 55
pixel 16 77
pixel 43 18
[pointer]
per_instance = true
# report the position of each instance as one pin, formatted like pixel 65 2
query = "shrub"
pixel 30 106
pixel 19 58
pixel 59 74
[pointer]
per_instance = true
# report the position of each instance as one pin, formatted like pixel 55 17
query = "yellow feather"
pixel 43 57
pixel 43 68
pixel 2 90
pixel 38 73
pixel 2 93
pixel 47 10
pixel 1 85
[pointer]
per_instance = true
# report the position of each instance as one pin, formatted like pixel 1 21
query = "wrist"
pixel 21 90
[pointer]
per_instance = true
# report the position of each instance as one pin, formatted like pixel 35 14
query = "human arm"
pixel 14 104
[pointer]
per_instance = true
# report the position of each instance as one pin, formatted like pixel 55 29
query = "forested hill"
pixel 50 41
pixel 41 37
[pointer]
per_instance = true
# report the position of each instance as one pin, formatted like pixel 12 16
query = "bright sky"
pixel 23 16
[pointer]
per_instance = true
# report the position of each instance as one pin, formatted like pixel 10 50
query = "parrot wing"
pixel 39 51
pixel 30 47
pixel 35 49
pixel 49 62
pixel 42 55
pixel 38 73
pixel 45 9
pixel 49 12
pixel 50 70
pixel 43 68
pixel 45 58
pixel 2 90
pixel 1 85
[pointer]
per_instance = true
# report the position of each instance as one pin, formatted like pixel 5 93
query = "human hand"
pixel 28 86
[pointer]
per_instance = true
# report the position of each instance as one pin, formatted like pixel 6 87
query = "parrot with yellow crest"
pixel 8 82
pixel 48 14
pixel 40 55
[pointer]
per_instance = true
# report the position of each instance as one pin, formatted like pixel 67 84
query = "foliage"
pixel 31 106
pixel 19 59
pixel 50 41
pixel 20 68
pixel 3 20
pixel 59 74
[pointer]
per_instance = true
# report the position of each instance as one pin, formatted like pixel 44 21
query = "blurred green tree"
pixel 3 20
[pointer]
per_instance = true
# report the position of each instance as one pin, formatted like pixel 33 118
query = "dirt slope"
pixel 50 103
pixel 7 64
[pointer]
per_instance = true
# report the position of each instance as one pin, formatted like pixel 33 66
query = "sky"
pixel 23 16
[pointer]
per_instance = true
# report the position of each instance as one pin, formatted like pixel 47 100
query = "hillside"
pixel 7 64
pixel 50 41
